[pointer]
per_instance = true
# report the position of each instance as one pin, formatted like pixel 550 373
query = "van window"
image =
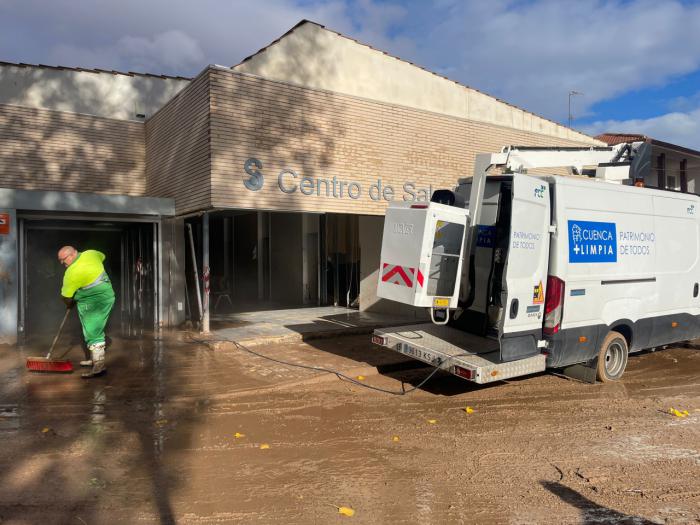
pixel 447 247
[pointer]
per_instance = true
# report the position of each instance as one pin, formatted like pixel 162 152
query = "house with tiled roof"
pixel 671 166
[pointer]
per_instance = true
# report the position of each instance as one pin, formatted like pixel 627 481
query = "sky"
pixel 636 62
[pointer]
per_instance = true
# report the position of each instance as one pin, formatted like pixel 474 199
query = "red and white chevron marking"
pixel 401 275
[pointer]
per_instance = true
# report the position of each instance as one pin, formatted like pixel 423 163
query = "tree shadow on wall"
pixel 59 151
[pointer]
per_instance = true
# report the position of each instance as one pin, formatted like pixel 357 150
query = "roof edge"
pixel 311 22
pixel 633 137
pixel 93 70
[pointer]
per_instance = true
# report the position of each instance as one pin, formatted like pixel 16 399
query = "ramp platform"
pixel 465 355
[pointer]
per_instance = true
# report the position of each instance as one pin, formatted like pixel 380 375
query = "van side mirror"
pixel 695 290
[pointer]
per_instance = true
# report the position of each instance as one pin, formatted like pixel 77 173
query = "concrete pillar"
pixel 9 276
pixel 206 278
pixel 172 288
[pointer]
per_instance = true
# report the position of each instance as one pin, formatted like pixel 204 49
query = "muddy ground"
pixel 156 441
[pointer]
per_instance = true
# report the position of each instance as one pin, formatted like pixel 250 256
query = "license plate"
pixel 419 353
pixel 441 302
pixel 378 340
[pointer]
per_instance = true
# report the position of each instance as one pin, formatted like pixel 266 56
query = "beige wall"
pixel 177 148
pixel 323 135
pixel 314 57
pixel 52 150
pixel 104 94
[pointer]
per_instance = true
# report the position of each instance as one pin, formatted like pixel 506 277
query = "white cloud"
pixel 533 53
pixel 682 129
pixel 685 103
pixel 530 53
pixel 162 36
pixel 171 50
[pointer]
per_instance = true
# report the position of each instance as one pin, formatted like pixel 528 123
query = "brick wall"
pixel 323 135
pixel 177 148
pixel 54 150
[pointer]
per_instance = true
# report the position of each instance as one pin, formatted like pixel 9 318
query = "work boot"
pixel 98 361
pixel 88 357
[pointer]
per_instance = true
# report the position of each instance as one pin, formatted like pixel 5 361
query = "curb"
pixel 309 336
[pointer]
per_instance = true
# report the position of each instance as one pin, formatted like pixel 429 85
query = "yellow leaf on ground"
pixel 469 410
pixel 395 439
pixel 161 422
pixel 238 435
pixel 432 421
pixel 360 378
pixel 45 430
pixel 677 413
pixel 264 446
pixel 346 511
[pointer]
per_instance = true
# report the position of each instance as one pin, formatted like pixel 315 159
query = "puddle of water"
pixel 602 516
pixel 9 417
pixel 635 449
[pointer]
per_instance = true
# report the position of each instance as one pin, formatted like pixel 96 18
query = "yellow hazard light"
pixel 582 339
pixel 674 324
pixel 494 373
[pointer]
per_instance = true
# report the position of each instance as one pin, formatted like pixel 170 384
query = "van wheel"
pixel 612 357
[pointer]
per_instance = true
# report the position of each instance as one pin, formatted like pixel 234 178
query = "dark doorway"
pixel 341 261
pixel 130 264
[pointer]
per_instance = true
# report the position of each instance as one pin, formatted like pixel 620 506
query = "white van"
pixel 524 272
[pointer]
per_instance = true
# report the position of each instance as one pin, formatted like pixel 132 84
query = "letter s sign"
pixel 256 179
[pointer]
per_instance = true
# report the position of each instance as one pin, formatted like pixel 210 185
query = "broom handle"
pixel 60 328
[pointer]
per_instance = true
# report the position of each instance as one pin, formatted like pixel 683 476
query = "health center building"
pixel 263 184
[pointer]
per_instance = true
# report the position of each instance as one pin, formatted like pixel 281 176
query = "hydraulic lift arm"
pixel 613 164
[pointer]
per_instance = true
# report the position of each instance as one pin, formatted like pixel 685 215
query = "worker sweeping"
pixel 87 284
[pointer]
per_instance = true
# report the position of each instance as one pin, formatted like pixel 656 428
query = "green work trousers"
pixel 94 306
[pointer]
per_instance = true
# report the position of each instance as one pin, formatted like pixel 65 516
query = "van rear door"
pixel 526 268
pixel 421 258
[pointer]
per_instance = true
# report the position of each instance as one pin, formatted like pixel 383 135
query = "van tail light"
pixel 466 373
pixel 553 304
pixel 419 206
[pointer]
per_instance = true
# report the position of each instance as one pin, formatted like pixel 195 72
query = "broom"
pixel 46 364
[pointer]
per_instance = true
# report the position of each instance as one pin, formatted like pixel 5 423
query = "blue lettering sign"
pixel 592 242
pixel 485 236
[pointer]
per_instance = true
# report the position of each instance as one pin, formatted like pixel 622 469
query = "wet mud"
pixel 182 431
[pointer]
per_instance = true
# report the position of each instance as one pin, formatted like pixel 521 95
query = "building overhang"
pixel 75 202
pixel 673 147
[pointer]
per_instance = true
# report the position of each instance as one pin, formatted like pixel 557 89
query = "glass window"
pixel 447 248
pixel 448 238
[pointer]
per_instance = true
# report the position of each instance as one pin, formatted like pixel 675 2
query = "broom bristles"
pixel 41 364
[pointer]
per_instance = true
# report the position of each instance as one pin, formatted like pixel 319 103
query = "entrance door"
pixel 245 257
pixel 286 259
pixel 526 268
pixel 340 266
pixel 130 263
